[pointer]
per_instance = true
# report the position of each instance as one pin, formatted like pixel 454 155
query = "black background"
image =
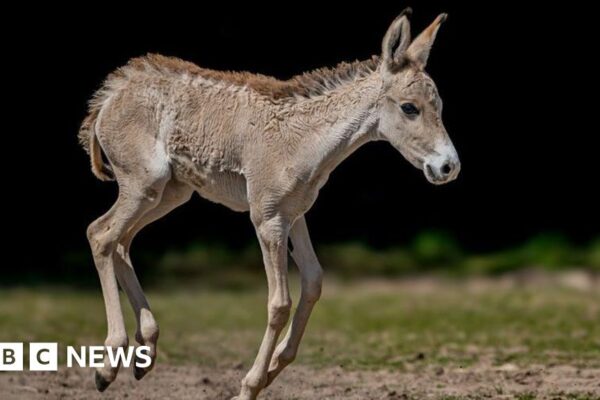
pixel 519 104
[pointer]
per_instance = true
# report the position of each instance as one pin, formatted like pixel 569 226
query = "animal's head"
pixel 411 109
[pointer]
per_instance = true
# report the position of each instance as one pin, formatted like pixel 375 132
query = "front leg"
pixel 312 276
pixel 273 235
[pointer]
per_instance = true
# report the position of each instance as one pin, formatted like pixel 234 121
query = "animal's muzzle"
pixel 442 171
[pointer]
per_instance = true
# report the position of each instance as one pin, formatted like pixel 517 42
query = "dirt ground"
pixel 545 348
pixel 300 382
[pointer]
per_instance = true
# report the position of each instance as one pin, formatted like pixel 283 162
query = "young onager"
pixel 169 128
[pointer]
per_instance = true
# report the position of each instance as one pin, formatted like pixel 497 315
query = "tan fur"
pixel 85 131
pixel 89 142
pixel 169 128
pixel 307 84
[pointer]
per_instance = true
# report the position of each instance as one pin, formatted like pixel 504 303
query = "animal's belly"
pixel 226 188
pixel 219 186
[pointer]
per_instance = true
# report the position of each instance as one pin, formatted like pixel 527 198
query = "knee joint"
pixel 279 313
pixel 102 243
pixel 313 287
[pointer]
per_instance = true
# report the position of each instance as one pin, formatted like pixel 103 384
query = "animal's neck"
pixel 338 124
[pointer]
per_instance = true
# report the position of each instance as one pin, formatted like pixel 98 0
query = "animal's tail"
pixel 89 142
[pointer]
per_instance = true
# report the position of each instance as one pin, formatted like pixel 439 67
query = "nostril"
pixel 446 168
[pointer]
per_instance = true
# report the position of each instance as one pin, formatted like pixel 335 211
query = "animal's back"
pixel 197 120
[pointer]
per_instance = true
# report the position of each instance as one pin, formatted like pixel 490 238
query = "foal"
pixel 169 128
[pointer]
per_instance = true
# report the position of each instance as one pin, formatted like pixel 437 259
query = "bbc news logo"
pixel 44 356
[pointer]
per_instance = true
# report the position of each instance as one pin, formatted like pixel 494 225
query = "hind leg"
pixel 136 197
pixel 174 195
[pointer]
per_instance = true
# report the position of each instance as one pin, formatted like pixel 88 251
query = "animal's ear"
pixel 397 33
pixel 418 51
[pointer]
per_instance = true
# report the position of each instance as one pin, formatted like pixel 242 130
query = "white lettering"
pixel 79 357
pixel 143 353
pixel 96 354
pixel 118 356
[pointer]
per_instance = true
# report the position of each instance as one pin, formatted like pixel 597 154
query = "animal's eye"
pixel 409 109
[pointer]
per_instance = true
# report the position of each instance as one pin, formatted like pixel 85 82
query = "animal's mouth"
pixel 431 176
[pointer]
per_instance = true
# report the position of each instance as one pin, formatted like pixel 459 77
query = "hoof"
pixel 101 383
pixel 139 373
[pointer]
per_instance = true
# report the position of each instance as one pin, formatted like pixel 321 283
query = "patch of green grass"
pixel 526 396
pixel 232 268
pixel 429 251
pixel 369 325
